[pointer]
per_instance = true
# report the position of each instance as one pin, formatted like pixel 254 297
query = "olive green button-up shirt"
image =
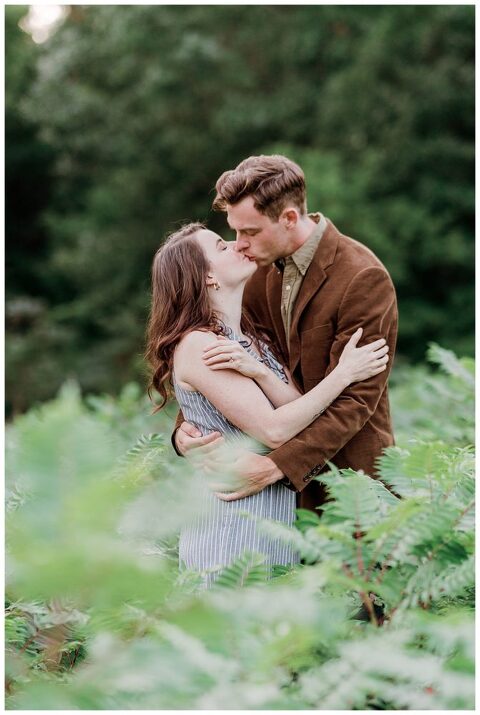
pixel 295 268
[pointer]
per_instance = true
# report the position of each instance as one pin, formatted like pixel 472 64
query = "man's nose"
pixel 240 243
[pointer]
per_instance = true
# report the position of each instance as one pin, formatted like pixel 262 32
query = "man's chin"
pixel 261 262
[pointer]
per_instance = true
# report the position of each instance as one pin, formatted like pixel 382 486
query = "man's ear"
pixel 289 217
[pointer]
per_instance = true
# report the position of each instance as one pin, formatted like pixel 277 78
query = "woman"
pixel 227 379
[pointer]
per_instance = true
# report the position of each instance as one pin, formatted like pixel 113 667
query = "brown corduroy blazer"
pixel 345 287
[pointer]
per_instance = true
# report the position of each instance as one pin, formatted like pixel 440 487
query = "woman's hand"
pixel 361 363
pixel 227 354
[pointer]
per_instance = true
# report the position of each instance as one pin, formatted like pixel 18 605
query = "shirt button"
pixel 287 288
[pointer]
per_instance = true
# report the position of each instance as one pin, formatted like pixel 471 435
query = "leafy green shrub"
pixel 378 616
pixel 436 405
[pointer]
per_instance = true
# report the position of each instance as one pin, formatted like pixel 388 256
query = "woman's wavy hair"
pixel 180 304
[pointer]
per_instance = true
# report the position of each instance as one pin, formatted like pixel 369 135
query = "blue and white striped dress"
pixel 221 533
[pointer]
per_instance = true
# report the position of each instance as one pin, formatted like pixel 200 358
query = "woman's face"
pixel 228 267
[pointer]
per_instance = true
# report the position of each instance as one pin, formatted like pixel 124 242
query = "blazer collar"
pixel 314 278
pixel 274 300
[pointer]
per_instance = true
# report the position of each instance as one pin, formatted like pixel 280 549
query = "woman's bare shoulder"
pixel 194 340
pixel 187 355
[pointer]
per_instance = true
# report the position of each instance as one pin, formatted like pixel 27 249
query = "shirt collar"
pixel 303 255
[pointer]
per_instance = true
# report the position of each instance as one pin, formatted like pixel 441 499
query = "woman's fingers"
pixel 375 359
pixel 224 342
pixel 381 362
pixel 219 349
pixel 375 345
pixel 221 357
pixel 355 337
pixel 381 351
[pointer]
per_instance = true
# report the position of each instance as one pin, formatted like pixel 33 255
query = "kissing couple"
pixel 286 335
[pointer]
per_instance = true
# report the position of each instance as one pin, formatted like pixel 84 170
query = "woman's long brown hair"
pixel 180 304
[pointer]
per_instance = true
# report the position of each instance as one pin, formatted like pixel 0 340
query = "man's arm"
pixel 369 302
pixel 178 422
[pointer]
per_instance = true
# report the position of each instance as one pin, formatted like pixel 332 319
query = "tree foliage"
pixel 135 111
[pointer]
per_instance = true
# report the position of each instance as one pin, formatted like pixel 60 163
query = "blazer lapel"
pixel 314 278
pixel 274 300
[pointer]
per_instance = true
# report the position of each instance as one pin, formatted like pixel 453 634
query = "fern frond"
pixel 249 569
pixel 454 580
pixel 422 470
pixel 144 444
pixel 403 513
pixel 356 499
pixel 451 364
pixel 306 519
pixel 422 531
pixel 195 652
pixel 385 666
pixel 306 545
pixel 282 571
pixel 16 496
pixel 464 490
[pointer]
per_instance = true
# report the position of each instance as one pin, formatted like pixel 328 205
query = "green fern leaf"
pixel 144 444
pixel 455 580
pixel 451 364
pixel 306 519
pixel 424 470
pixel 249 569
pixel 356 499
pixel 306 545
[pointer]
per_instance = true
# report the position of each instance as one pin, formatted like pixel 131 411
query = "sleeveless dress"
pixel 221 533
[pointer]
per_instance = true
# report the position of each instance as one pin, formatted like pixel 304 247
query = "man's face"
pixel 257 236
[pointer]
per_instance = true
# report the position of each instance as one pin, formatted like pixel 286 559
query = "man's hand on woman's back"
pixel 253 472
pixel 188 437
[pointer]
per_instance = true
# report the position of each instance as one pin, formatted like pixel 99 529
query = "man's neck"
pixel 303 231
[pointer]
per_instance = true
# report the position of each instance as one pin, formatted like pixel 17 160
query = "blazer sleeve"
pixel 178 422
pixel 370 303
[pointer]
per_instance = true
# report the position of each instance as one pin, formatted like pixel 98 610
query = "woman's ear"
pixel 212 282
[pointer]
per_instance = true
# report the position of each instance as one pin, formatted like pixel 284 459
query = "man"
pixel 313 288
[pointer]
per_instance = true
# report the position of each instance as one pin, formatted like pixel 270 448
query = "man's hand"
pixel 227 467
pixel 254 472
pixel 189 437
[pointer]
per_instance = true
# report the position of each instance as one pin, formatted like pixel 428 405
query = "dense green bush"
pixel 378 616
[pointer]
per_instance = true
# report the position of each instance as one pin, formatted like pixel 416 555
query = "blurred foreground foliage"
pixel 378 616
pixel 118 127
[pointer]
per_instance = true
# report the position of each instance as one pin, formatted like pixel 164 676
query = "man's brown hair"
pixel 274 182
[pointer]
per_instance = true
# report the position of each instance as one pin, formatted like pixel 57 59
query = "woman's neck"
pixel 228 306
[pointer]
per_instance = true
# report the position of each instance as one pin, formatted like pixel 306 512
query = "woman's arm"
pixel 278 392
pixel 242 402
pixel 225 354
